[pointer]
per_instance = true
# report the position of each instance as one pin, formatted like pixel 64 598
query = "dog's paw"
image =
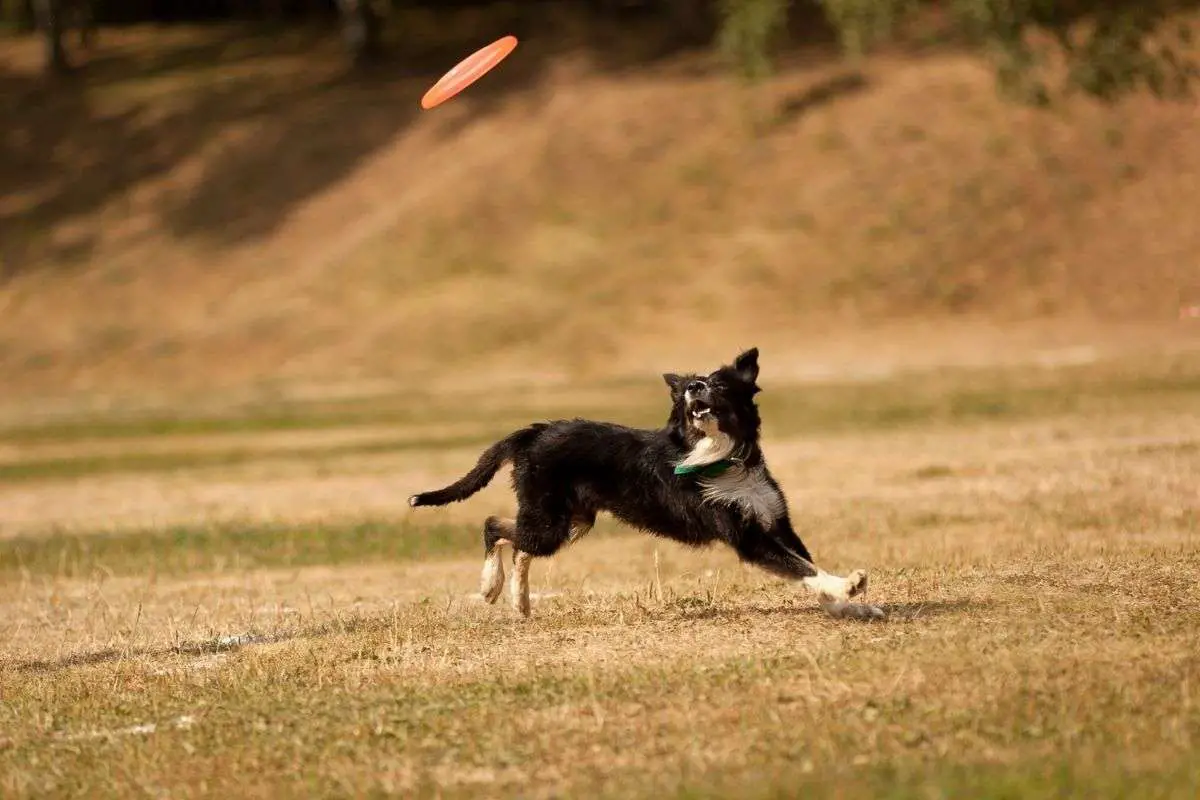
pixel 520 604
pixel 832 588
pixel 856 583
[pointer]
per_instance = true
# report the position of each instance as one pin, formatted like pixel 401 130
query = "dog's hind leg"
pixel 497 532
pixel 518 586
pixel 539 532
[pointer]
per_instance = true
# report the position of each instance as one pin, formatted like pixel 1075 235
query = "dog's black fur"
pixel 567 471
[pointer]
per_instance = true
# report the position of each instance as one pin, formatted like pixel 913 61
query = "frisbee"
pixel 467 71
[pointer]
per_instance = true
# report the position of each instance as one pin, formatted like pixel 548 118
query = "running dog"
pixel 700 479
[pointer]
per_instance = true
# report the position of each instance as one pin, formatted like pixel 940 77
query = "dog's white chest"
pixel 749 490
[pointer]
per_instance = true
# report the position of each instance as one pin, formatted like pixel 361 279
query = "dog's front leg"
pixel 834 592
pixel 780 551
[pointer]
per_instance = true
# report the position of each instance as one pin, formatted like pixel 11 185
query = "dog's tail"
pixel 484 470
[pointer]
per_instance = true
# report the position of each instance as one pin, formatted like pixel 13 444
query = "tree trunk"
pixel 361 29
pixel 273 11
pixel 49 16
pixel 85 18
pixel 18 15
pixel 691 19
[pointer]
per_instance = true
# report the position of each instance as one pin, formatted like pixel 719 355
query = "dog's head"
pixel 721 401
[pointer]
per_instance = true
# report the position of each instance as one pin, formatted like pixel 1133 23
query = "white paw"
pixel 831 588
pixel 520 603
pixel 856 582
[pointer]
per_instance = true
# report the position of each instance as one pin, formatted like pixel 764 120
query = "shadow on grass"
pixel 73 146
pixel 821 94
pixel 202 647
pixel 275 115
pixel 933 608
pixel 893 611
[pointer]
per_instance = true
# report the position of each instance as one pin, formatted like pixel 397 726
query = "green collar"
pixel 706 470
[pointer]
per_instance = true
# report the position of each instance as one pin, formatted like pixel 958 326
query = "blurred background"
pixel 252 297
pixel 220 201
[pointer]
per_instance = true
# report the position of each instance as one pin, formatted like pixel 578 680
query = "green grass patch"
pixel 969 396
pixel 66 468
pixel 251 420
pixel 408 410
pixel 943 397
pixel 228 546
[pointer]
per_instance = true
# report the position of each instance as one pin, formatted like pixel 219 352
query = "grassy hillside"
pixel 225 211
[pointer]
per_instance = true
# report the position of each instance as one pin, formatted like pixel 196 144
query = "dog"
pixel 700 479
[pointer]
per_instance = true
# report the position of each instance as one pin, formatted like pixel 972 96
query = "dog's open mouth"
pixel 700 409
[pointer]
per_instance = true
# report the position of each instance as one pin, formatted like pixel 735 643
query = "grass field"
pixel 242 605
pixel 227 261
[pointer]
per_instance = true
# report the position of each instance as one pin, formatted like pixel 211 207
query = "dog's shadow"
pixel 931 608
pixel 821 94
pixel 892 612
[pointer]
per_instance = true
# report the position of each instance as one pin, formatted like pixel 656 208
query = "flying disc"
pixel 467 71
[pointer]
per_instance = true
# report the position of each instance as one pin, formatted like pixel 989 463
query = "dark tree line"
pixel 1110 47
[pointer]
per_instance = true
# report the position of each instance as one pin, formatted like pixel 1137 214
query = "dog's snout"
pixel 696 387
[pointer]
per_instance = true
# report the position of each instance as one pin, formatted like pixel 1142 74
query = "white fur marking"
pixel 825 585
pixel 748 489
pixel 715 445
pixel 491 580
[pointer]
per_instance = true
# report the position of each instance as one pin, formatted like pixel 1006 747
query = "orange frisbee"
pixel 467 71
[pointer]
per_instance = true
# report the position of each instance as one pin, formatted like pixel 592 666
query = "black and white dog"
pixel 700 479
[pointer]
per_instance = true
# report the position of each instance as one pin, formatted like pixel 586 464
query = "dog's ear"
pixel 674 381
pixel 746 365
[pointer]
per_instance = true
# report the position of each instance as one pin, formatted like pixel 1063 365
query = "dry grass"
pixel 313 461
pixel 209 583
pixel 1040 571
